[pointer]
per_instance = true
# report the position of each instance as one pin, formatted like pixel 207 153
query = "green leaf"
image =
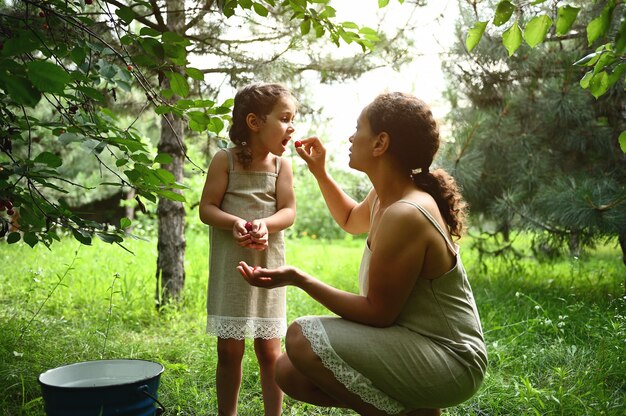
pixel 31 239
pixel 260 9
pixel 165 176
pixel 14 237
pixel 369 33
pixel 215 125
pixel 175 38
pixel 82 236
pixel 24 42
pixel 110 238
pixel 382 3
pixel 126 14
pixel 617 74
pixel 171 195
pixel 245 4
pixel 599 84
pixel 566 16
pixel 512 38
pixel 78 54
pixel 125 222
pixel 319 29
pixel 49 159
pixel 47 77
pixel 69 137
pixel 598 26
pixel 195 73
pixel 163 109
pixel 350 25
pixel 198 116
pixel 589 60
pixel 91 93
pixel 584 81
pixel 178 84
pixel 607 58
pixel 195 126
pixel 305 27
pixel 329 12
pixel 622 141
pixel 176 53
pixel 153 47
pixel 163 158
pixel 537 29
pixel 504 10
pixel 22 91
pixel 474 35
pixel 148 31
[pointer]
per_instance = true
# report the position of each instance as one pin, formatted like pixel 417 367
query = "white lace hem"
pixel 354 381
pixel 246 327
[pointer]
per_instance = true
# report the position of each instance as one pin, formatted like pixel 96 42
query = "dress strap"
pixel 230 159
pixel 372 208
pixel 278 160
pixel 451 246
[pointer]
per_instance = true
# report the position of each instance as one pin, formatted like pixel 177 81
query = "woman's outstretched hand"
pixel 314 154
pixel 268 278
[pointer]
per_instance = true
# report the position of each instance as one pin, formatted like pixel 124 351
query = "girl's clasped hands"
pixel 251 234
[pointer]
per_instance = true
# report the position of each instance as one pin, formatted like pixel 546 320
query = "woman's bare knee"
pixel 284 373
pixel 298 347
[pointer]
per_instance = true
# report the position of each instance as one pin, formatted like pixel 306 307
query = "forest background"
pixel 109 118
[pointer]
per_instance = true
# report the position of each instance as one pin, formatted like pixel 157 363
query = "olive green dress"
pixel 433 356
pixel 234 308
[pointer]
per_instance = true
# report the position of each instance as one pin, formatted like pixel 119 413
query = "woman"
pixel 411 342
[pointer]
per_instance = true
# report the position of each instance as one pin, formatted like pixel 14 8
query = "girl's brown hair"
pixel 414 142
pixel 258 99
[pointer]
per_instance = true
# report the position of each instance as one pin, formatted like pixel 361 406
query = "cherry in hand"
pixel 248 226
pixel 297 143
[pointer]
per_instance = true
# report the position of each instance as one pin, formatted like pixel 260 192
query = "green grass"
pixel 556 332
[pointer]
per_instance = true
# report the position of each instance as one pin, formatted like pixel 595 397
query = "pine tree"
pixel 532 150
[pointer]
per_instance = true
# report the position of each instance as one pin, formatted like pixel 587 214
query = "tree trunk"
pixel 170 271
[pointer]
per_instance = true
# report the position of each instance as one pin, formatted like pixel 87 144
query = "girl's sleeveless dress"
pixel 234 308
pixel 433 356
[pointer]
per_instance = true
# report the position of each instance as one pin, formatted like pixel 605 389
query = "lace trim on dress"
pixel 354 381
pixel 244 327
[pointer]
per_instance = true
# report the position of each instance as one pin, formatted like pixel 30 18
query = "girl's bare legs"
pixel 228 374
pixel 267 352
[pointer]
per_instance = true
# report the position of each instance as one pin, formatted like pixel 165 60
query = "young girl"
pixel 248 201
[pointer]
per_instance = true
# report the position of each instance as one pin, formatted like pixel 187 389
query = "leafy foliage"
pixel 532 150
pixel 73 61
pixel 540 21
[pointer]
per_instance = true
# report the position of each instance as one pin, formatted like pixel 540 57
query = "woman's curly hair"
pixel 414 142
pixel 258 99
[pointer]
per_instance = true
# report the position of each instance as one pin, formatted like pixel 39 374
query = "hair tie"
pixel 419 171
pixel 244 143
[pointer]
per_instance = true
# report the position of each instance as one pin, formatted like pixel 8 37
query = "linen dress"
pixel 433 356
pixel 236 309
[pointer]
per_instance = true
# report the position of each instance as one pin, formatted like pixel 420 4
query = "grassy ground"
pixel 556 332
